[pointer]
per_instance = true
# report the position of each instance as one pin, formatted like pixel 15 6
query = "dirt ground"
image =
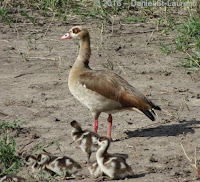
pixel 34 71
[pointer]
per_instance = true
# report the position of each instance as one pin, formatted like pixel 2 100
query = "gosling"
pixel 115 167
pixel 63 166
pixel 87 140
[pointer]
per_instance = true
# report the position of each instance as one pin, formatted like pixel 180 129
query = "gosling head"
pixel 43 159
pixel 103 142
pixel 76 125
pixel 30 160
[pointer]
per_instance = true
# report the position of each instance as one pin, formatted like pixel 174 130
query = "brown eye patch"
pixel 39 157
pixel 101 139
pixel 27 158
pixel 76 30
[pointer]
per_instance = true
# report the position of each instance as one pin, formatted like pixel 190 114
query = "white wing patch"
pixel 68 162
pixel 93 148
pixel 82 136
pixel 83 145
pixel 86 133
pixel 83 142
pixel 110 160
pixel 94 140
pixel 122 165
pixel 59 158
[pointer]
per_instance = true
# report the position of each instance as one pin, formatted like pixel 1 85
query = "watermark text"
pixel 145 3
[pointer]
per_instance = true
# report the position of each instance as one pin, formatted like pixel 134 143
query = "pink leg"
pixel 95 125
pixel 109 126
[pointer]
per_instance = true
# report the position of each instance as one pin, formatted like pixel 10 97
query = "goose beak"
pixel 66 36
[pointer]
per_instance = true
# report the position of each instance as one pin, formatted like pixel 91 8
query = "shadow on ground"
pixel 164 130
pixel 105 178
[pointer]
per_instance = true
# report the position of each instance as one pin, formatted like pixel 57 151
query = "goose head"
pixel 77 32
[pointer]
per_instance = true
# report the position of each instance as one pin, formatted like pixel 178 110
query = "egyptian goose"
pixel 87 140
pixel 31 160
pixel 114 167
pixel 95 170
pixel 63 166
pixel 102 91
pixel 10 178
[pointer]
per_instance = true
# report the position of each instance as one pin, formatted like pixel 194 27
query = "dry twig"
pixel 148 41
pixel 17 32
pixel 59 64
pixel 102 28
pixel 190 160
pixel 196 62
pixel 22 74
pixel 49 25
pixel 161 66
pixel 20 151
pixel 40 58
pixel 121 69
pixel 129 146
pixel 8 138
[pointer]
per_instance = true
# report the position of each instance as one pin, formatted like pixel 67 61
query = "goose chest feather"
pixel 91 99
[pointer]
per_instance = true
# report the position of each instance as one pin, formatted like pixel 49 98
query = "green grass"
pixel 4 15
pixel 187 29
pixel 188 41
pixel 25 10
pixel 8 126
pixel 10 162
pixel 44 147
pixel 108 65
pixel 30 18
pixel 62 9
pixel 166 49
pixel 192 61
pixel 187 36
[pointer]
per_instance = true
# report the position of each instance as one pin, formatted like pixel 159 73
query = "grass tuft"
pixel 43 147
pixel 10 162
pixel 188 41
pixel 4 15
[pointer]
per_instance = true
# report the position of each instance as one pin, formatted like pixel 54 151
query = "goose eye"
pixel 76 30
